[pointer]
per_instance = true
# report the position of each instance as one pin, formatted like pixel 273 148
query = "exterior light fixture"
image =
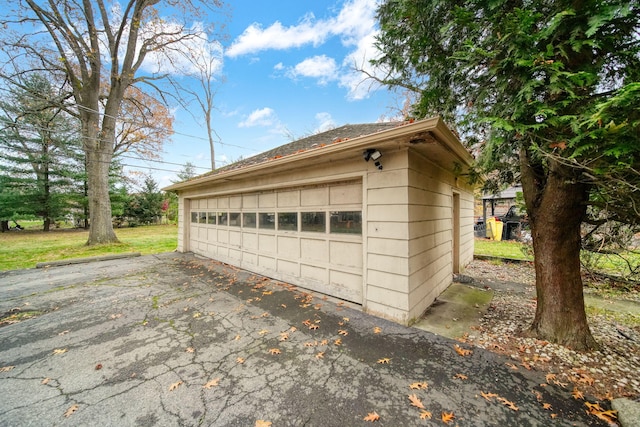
pixel 372 154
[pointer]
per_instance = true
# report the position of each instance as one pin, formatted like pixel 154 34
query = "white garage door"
pixel 309 236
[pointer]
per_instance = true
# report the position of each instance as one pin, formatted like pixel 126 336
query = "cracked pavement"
pixel 177 340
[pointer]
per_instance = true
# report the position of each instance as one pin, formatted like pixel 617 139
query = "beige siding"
pixel 183 224
pixel 387 271
pixel 431 229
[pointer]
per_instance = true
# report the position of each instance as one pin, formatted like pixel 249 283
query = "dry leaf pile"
pixel 607 373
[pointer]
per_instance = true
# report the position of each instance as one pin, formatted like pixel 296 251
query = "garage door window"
pixel 349 222
pixel 313 221
pixel 211 218
pixel 222 218
pixel 202 218
pixel 194 217
pixel 249 220
pixel 234 219
pixel 288 221
pixel 267 221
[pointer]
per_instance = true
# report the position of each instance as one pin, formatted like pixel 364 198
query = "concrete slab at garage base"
pixel 455 310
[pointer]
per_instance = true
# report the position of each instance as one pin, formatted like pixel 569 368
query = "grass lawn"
pixel 24 249
pixel 617 265
pixel 502 249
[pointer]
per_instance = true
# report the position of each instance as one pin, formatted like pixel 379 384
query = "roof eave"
pixel 435 125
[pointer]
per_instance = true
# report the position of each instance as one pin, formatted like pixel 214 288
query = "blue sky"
pixel 287 72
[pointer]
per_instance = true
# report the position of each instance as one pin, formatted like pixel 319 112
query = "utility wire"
pixel 31 127
pixel 61 105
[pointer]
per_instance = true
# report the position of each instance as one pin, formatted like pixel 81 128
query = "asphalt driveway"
pixel 175 340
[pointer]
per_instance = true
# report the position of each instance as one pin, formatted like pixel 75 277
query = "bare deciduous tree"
pixel 86 42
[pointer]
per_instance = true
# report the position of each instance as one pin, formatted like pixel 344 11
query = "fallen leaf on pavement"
pixel 190 350
pixel 415 401
pixel 213 383
pixel 59 350
pixel 424 415
pixel 377 330
pixel 508 403
pixel 372 416
pixel 546 406
pixel 6 368
pixel 45 381
pixel 343 332
pixel 240 360
pixel 337 342
pixel 384 360
pixel 577 394
pixel 274 351
pixel 98 366
pixel 462 351
pixel 461 377
pixel 418 386
pixel 320 355
pixel 609 416
pixel 593 406
pixel 488 396
pixel 71 410
pixel 262 423
pixel 175 385
pixel 447 417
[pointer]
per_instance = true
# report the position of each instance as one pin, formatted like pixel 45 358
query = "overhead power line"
pixel 200 138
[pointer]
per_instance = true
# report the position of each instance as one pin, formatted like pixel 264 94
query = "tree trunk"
pixel 556 204
pixel 100 224
pixel 46 226
pixel 211 142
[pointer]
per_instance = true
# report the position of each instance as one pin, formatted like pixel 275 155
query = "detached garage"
pixel 377 214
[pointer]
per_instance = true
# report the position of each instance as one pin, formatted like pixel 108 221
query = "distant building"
pixel 376 214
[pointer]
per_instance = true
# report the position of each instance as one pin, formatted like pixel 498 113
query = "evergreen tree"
pixel 40 156
pixel 146 206
pixel 550 89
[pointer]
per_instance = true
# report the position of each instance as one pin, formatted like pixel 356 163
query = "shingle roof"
pixel 339 134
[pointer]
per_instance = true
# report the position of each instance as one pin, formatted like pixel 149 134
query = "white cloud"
pixel 279 66
pixel 356 82
pixel 262 117
pixel 325 122
pixel 320 67
pixel 354 24
pixel 276 36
